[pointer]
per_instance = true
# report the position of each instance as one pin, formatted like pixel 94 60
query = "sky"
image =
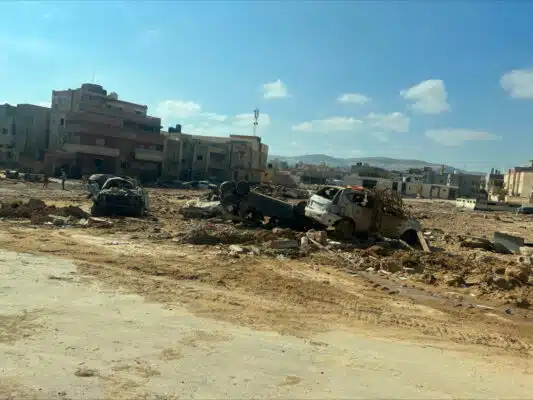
pixel 445 82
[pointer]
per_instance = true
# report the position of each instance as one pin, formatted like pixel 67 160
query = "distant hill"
pixel 382 162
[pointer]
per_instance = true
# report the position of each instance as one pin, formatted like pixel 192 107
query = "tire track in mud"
pixel 264 293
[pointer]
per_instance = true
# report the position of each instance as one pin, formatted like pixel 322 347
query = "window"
pixel 4 131
pixel 159 147
pixel 100 142
pixel 199 158
pixel 62 122
pixel 124 165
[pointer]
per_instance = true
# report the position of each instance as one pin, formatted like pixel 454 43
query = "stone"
pixel 524 260
pixel 455 280
pixel 498 269
pixel 98 222
pixel 526 251
pixel 521 273
pixel 502 283
pixel 391 265
pixel 234 249
pixel 318 236
pixel 476 243
pixel 284 244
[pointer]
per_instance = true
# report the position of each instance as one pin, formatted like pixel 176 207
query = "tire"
pixel 345 229
pixel 410 237
pixel 243 188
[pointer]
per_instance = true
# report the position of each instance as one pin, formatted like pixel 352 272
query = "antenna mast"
pixel 256 118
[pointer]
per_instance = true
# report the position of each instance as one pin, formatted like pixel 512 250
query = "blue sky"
pixel 448 82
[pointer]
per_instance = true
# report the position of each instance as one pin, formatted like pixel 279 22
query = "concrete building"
pixel 470 185
pixel 7 134
pixel 519 184
pixel 93 131
pixel 32 127
pixel 495 184
pixel 196 157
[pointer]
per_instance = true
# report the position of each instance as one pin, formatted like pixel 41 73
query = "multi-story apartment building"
pixel 93 131
pixel 24 131
pixel 470 185
pixel 7 134
pixel 518 182
pixel 195 157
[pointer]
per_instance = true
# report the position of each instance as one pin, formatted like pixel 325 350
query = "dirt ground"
pixel 453 297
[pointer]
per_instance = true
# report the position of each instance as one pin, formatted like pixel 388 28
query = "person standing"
pixel 45 181
pixel 63 178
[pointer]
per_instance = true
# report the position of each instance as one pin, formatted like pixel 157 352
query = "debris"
pixel 119 196
pixel 201 209
pixel 423 242
pixel 519 272
pixel 526 251
pixel 98 222
pixel 455 281
pixel 524 260
pixel 234 249
pixel 391 265
pixel 318 236
pixel 507 244
pixel 283 244
pixel 84 372
pixel 476 243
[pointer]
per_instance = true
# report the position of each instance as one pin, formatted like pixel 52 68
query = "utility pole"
pixel 256 118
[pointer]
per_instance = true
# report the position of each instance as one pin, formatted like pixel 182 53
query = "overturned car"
pixel 118 196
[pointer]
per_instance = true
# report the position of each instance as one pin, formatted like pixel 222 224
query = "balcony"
pixel 148 155
pixel 93 150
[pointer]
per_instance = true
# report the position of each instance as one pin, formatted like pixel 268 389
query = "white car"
pixel 349 211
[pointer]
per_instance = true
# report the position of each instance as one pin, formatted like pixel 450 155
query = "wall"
pixel 33 130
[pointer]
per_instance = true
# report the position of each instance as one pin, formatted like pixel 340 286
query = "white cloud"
pixel 518 83
pixel 395 122
pixel 456 137
pixel 195 120
pixel 275 90
pixel 353 98
pixel 428 97
pixel 332 124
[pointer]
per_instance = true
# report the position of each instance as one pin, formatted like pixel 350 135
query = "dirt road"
pixel 63 335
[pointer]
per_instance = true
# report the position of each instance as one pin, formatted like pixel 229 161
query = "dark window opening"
pixel 199 158
pixel 62 122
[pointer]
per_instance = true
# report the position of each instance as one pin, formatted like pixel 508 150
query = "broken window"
pixel 328 192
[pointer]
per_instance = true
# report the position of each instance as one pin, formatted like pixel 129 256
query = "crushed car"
pixel 240 203
pixel 355 210
pixel 118 196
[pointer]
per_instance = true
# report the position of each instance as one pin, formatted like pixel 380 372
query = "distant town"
pixel 90 130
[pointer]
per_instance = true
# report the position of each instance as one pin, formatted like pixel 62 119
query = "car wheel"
pixel 345 228
pixel 243 188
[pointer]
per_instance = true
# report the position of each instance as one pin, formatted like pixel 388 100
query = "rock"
pixel 498 269
pixel 304 245
pixel 98 222
pixel 522 303
pixel 476 243
pixel 84 372
pixel 284 244
pixel 507 244
pixel 234 249
pixel 526 251
pixel 502 283
pixel 524 260
pixel 318 236
pixel 408 270
pixel 254 250
pixel 455 280
pixel 484 258
pixel 391 265
pixel 519 272
pixel 429 279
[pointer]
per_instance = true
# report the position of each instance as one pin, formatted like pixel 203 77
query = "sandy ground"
pixel 64 336
pixel 143 313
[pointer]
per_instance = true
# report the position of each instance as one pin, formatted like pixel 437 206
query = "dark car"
pixel 525 210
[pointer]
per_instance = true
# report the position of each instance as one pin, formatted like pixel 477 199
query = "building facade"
pixel 7 134
pixel 518 182
pixel 92 131
pixel 196 157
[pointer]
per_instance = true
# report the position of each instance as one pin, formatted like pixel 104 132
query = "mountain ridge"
pixel 388 163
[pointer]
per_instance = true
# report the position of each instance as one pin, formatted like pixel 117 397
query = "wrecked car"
pixel 119 196
pixel 354 210
pixel 240 203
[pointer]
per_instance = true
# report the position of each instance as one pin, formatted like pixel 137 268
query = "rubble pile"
pixel 38 211
pixel 281 192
